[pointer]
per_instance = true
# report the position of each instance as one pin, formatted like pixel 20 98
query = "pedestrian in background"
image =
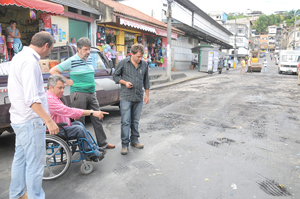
pixel 243 68
pixel 28 114
pixel 113 55
pixel 73 44
pixel 298 71
pixel 13 37
pixel 229 62
pixel 132 73
pixel 250 65
pixel 226 64
pixel 265 65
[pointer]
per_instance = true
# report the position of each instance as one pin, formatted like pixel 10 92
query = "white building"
pixel 272 30
pixel 219 16
pixel 242 31
pixel 293 39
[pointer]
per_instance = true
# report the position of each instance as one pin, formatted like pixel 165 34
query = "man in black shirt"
pixel 132 74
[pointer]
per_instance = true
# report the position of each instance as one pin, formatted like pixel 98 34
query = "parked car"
pixel 288 61
pixel 108 92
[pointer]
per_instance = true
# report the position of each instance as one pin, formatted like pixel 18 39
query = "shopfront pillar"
pixel 120 41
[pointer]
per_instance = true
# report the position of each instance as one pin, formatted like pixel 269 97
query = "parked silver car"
pixel 108 92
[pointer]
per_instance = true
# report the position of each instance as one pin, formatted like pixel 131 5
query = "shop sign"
pixel 165 33
pixel 47 19
pixel 133 24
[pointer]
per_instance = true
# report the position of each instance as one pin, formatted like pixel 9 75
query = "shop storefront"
pixel 155 50
pixel 122 37
pixel 127 33
pixel 30 17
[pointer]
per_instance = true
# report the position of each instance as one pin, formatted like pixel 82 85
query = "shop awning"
pixel 164 33
pixel 36 5
pixel 201 34
pixel 137 25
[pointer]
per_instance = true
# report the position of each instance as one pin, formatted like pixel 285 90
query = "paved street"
pixel 221 136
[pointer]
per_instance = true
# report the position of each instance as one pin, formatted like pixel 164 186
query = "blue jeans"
pixel 131 114
pixel 77 130
pixel 29 159
pixel 265 69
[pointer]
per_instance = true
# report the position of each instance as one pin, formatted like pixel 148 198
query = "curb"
pixel 181 81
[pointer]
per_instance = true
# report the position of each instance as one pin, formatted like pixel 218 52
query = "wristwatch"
pixel 91 112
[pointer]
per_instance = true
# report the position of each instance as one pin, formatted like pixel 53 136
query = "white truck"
pixel 288 61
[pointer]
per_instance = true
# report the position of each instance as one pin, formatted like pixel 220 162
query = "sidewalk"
pixel 158 77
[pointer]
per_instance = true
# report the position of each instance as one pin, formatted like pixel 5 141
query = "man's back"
pixel 25 83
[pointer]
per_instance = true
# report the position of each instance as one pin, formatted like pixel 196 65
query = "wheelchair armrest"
pixel 61 124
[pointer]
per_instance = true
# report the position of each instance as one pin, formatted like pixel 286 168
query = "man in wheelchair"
pixel 61 113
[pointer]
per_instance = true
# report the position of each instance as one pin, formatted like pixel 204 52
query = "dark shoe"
pixel 124 150
pixel 92 157
pixel 137 145
pixel 110 146
pixel 100 155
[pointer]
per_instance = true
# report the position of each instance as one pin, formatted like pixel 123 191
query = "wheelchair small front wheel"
pixel 86 168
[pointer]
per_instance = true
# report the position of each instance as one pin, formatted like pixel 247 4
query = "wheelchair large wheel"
pixel 58 158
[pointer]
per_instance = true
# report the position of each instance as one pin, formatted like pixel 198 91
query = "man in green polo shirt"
pixel 82 84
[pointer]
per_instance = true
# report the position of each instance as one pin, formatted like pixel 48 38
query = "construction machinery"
pixel 255 65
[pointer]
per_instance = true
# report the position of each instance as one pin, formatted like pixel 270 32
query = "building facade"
pixel 264 42
pixel 241 38
pixel 272 30
pixel 199 28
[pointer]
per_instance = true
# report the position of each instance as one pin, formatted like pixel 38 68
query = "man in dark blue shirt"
pixel 132 74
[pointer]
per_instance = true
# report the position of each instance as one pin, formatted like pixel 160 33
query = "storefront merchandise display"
pixel 156 50
pixel 101 36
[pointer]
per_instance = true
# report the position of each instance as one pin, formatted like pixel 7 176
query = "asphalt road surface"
pixel 222 136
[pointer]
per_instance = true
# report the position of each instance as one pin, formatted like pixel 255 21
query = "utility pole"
pixel 294 46
pixel 169 53
pixel 234 60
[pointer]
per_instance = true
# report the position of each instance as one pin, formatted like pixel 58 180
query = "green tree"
pixel 235 15
pixel 262 23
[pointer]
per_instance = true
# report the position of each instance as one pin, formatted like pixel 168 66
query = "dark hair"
pixel 72 38
pixel 12 21
pixel 42 38
pixel 137 48
pixel 83 41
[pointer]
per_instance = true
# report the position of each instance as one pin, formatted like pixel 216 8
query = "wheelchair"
pixel 59 154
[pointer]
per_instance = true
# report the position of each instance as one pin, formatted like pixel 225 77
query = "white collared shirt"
pixel 25 86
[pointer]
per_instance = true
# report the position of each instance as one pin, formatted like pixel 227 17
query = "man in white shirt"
pixel 73 44
pixel 28 115
pixel 265 65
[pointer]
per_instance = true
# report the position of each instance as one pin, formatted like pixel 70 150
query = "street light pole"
pixel 234 60
pixel 169 53
pixel 294 32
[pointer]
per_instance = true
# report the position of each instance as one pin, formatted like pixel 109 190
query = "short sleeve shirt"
pixel 81 72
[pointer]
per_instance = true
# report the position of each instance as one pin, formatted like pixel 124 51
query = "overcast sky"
pixel 266 6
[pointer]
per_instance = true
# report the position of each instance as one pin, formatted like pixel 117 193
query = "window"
pixel 298 34
pixel 240 30
pixel 231 29
pixel 190 40
pixel 71 9
pixel 85 13
pixel 97 61
pixel 239 40
pixel 289 58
